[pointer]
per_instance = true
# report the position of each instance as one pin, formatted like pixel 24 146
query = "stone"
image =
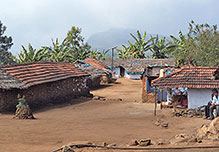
pixel 157 123
pixel 193 140
pixel 96 98
pixel 181 136
pixel 67 149
pixel 162 142
pixel 144 142
pixel 105 144
pixel 133 143
pixel 164 125
pixel 111 145
pixel 102 99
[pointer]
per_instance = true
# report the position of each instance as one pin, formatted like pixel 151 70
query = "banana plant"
pixel 30 55
pixel 159 48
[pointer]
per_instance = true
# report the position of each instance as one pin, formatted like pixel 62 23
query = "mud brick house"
pixel 99 73
pixel 42 83
pixel 134 68
pixel 198 80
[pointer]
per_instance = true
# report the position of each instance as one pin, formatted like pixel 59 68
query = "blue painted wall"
pixel 162 95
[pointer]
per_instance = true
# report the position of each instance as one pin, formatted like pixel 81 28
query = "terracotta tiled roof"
pixel 30 74
pixel 97 64
pixel 139 65
pixel 189 77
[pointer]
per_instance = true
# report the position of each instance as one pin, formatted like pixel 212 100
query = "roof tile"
pixel 29 74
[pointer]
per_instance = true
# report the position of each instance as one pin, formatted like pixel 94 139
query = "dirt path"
pixel 94 121
pixel 128 90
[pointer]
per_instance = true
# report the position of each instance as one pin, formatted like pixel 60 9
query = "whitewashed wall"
pixel 132 76
pixel 117 72
pixel 198 97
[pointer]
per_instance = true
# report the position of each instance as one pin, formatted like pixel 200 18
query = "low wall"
pixel 54 92
pixel 93 82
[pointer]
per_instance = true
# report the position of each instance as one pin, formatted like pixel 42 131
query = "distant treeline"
pixel 199 47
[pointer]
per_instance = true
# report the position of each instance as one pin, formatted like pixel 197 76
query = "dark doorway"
pixel 122 72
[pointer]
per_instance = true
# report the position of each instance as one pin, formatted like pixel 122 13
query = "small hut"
pixel 99 73
pixel 42 83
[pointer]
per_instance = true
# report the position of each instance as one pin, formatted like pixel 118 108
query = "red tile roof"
pixel 97 63
pixel 43 72
pixel 189 77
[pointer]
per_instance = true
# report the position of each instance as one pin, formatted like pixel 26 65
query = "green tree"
pixel 5 45
pixel 76 45
pixel 199 47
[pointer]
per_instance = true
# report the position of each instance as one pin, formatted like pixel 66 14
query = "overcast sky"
pixel 37 21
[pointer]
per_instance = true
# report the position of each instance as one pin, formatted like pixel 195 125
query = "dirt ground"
pixel 94 121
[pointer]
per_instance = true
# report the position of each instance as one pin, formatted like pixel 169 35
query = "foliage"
pixel 159 47
pixel 199 47
pixel 58 52
pixel 78 49
pixel 5 45
pixel 31 55
pixel 136 49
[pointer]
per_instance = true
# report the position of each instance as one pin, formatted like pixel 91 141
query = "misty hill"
pixel 110 38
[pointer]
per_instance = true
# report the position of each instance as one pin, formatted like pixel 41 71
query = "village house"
pixel 161 68
pixel 42 83
pixel 134 68
pixel 199 82
pixel 99 73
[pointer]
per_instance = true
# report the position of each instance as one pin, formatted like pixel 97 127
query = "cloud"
pixel 37 21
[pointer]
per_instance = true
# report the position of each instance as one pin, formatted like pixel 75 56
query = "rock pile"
pixel 141 142
pixel 188 112
pixel 67 149
pixel 204 133
pixel 161 123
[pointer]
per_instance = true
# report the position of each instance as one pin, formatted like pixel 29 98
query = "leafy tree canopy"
pixel 5 45
pixel 200 47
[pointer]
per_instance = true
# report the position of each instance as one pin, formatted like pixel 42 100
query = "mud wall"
pixel 93 82
pixel 44 94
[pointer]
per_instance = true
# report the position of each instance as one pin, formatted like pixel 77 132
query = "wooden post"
pixel 155 102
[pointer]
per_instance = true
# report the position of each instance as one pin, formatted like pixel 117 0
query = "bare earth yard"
pixel 94 121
